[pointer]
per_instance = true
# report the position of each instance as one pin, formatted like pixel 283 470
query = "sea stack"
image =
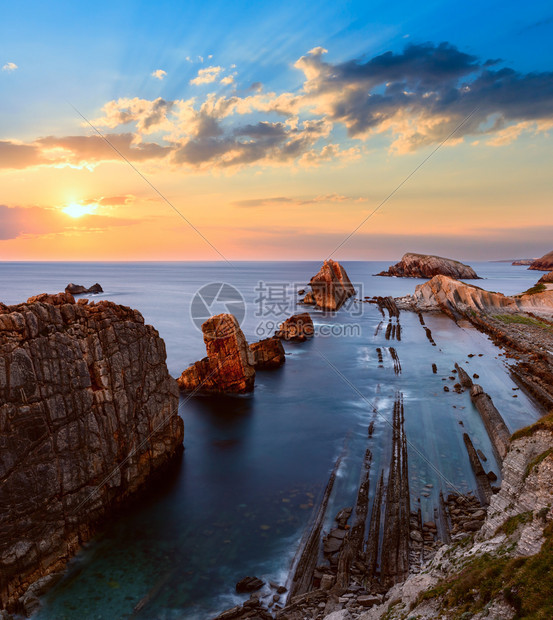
pixel 88 415
pixel 545 263
pixel 330 288
pixel 427 266
pixel 229 365
pixel 79 289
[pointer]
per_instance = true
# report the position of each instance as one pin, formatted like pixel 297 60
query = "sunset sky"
pixel 275 129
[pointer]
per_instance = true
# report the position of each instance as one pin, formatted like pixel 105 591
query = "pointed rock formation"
pixel 428 266
pixel 330 288
pixel 229 365
pixel 545 263
pixel 268 353
pixel 298 327
pixel 88 413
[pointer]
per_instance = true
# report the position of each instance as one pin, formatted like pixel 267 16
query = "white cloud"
pixel 10 66
pixel 207 75
pixel 229 79
pixel 159 74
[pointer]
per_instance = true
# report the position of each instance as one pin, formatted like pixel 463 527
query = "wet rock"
pixel 268 354
pixel 298 328
pixel 229 365
pixel 343 515
pixel 249 584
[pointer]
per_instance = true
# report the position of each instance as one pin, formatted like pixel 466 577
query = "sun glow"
pixel 77 210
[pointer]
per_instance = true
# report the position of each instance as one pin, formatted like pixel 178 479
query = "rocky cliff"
pixel 547 278
pixel 545 263
pixel 458 298
pixel 88 413
pixel 427 266
pixel 330 287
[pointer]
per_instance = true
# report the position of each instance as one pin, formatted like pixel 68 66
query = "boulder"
pixel 545 263
pixel 229 365
pixel 268 353
pixel 79 289
pixel 428 266
pixel 249 584
pixel 298 327
pixel 88 416
pixel 330 288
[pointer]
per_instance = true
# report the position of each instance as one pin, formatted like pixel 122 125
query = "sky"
pixel 221 130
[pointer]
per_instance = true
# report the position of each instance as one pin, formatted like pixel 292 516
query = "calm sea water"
pixel 255 465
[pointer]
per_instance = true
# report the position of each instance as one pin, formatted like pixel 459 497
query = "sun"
pixel 75 209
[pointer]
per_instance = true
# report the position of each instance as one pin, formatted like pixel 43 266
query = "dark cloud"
pixel 429 82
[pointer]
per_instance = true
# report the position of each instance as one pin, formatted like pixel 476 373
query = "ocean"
pixel 254 466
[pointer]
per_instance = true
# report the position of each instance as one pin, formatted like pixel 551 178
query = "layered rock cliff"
pixel 330 287
pixel 458 298
pixel 229 365
pixel 88 413
pixel 428 266
pixel 545 263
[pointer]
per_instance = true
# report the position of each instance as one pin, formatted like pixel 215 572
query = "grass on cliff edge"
pixel 524 320
pixel 526 583
pixel 543 424
pixel 537 288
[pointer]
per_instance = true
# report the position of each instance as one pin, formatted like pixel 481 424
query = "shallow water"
pixel 255 465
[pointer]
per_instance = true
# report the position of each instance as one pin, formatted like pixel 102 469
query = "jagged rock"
pixel 330 288
pixel 427 266
pixel 298 327
pixel 268 353
pixel 368 600
pixel 79 289
pixel 88 413
pixel 249 584
pixel 545 263
pixel 229 365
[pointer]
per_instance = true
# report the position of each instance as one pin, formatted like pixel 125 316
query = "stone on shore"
pixel 427 266
pixel 330 288
pixel 298 327
pixel 268 353
pixel 229 365
pixel 249 584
